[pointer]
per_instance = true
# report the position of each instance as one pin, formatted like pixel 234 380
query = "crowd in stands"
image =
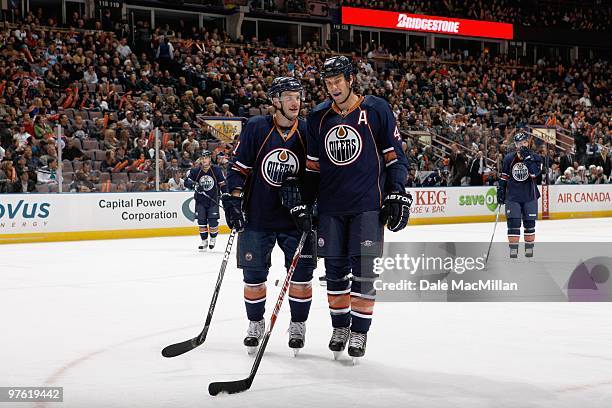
pixel 108 93
pixel 593 15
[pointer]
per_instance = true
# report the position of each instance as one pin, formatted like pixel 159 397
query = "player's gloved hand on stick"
pixel 291 199
pixel 526 153
pixel 302 216
pixel 501 193
pixel 233 212
pixel 396 210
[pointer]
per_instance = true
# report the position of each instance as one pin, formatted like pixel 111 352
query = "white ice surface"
pixel 93 317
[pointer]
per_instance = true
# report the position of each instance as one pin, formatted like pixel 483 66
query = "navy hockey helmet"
pixel 520 137
pixel 284 84
pixel 337 65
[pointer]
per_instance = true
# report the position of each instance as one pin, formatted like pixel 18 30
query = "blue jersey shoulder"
pixel 259 120
pixel 217 170
pixel 323 106
pixel 371 101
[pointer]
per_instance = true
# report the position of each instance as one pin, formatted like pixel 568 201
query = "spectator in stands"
pixel 78 128
pixel 567 177
pixel 24 184
pixel 90 76
pixel 477 168
pixel 50 153
pixel 170 151
pixel 48 174
pixel 165 53
pixel 123 49
pixel 8 174
pixel 600 177
pixel 110 141
pixel 582 176
pixel 176 183
pixel 73 152
pixel 140 151
pixel 109 162
pixel 21 136
pixel 458 166
pixel 42 130
pixel 33 162
pixel 185 162
pixel 80 184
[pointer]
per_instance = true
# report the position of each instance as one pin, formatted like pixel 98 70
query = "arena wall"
pixel 67 217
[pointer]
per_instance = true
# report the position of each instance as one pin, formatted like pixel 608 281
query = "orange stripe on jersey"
pixel 313 165
pixel 339 301
pixel 390 156
pixel 300 291
pixel 253 293
pixel 362 305
pixel 244 172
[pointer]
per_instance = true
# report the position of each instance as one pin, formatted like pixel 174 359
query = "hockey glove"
pixel 526 153
pixel 302 216
pixel 501 192
pixel 290 193
pixel 233 212
pixel 396 211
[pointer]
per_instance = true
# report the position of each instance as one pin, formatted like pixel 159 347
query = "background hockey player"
pixel 355 157
pixel 519 191
pixel 270 155
pixel 208 182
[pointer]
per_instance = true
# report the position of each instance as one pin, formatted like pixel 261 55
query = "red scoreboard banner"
pixel 428 24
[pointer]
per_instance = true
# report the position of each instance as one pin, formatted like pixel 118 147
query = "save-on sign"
pixel 423 23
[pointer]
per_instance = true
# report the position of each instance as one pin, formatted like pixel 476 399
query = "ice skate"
pixel 529 250
pixel 254 336
pixel 340 337
pixel 297 336
pixel 213 241
pixel 203 245
pixel 514 251
pixel 357 345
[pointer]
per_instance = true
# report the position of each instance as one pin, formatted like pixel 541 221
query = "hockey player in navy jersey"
pixel 208 182
pixel 269 162
pixel 355 159
pixel 519 191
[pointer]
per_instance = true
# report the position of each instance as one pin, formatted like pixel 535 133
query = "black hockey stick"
pixel 177 349
pixel 493 235
pixel 211 199
pixel 232 387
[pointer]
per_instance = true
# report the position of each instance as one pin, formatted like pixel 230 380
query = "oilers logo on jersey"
pixel 343 145
pixel 207 182
pixel 277 165
pixel 520 171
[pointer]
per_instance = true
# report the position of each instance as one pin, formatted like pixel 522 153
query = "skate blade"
pixel 296 351
pixel 337 354
pixel 251 350
pixel 356 360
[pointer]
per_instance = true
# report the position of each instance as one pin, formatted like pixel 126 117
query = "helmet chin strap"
pixel 282 111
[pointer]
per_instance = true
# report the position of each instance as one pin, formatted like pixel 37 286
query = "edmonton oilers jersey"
pixel 521 177
pixel 359 155
pixel 211 183
pixel 266 155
